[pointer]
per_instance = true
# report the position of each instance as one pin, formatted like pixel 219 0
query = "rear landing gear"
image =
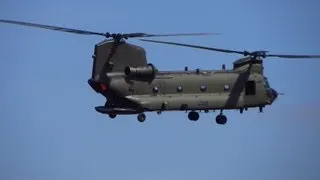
pixel 221 119
pixel 112 115
pixel 141 117
pixel 193 116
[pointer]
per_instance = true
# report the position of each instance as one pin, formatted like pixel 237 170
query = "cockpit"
pixel 266 83
pixel 272 93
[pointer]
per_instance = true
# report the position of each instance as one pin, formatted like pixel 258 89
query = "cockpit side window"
pixel 266 83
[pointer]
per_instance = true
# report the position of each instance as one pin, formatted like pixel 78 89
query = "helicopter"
pixel 132 86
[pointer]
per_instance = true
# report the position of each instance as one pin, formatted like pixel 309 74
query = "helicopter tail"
pixel 114 57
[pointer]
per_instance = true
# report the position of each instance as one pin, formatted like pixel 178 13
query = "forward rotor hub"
pixel 116 36
pixel 255 54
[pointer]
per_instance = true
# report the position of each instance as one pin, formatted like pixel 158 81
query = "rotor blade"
pixel 195 46
pixel 292 56
pixel 180 34
pixel 136 35
pixel 56 28
pixel 107 35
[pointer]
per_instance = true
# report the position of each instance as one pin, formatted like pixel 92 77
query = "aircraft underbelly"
pixel 181 102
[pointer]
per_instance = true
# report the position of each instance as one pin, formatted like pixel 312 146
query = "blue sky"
pixel 50 130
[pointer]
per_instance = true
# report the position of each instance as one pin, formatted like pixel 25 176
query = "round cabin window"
pixel 203 88
pixel 155 89
pixel 226 87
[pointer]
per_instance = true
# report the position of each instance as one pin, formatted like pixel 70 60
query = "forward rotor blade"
pixel 293 56
pixel 195 46
pixel 246 53
pixel 180 34
pixel 56 28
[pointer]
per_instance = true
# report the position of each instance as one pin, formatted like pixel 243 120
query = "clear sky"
pixel 50 130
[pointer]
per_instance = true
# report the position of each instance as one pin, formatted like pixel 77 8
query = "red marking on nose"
pixel 103 87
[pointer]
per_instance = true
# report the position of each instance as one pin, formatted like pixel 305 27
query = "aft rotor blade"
pixel 107 35
pixel 195 46
pixel 56 28
pixel 292 56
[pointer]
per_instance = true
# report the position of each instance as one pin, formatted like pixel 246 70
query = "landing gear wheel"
pixel 112 115
pixel 221 119
pixel 193 116
pixel 141 117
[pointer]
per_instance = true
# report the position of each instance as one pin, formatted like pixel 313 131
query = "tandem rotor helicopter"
pixel 131 85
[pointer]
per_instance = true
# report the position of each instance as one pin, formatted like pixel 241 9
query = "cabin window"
pixel 203 88
pixel 250 88
pixel 226 87
pixel 155 89
pixel 179 89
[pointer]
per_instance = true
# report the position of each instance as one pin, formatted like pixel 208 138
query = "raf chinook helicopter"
pixel 131 85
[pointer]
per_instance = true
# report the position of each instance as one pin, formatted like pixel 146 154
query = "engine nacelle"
pixel 145 72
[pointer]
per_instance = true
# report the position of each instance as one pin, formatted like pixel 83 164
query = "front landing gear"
pixel 193 116
pixel 221 119
pixel 112 115
pixel 141 117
